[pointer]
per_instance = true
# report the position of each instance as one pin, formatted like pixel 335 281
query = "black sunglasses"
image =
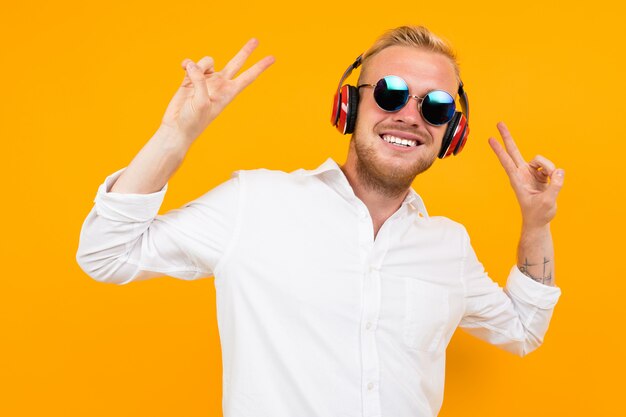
pixel 391 93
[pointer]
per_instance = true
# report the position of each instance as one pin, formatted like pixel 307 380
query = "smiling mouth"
pixel 394 140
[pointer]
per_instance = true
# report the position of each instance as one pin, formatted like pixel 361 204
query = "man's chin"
pixel 402 168
pixel 391 173
pixel 391 179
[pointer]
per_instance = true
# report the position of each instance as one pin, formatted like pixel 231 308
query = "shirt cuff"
pixel 127 207
pixel 530 291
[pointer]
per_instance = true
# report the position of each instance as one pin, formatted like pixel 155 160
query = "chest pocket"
pixel 427 313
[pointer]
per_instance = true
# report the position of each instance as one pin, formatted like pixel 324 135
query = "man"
pixel 337 294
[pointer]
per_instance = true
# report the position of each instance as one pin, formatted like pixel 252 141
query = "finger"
pixel 201 93
pixel 504 158
pixel 510 145
pixel 235 64
pixel 253 72
pixel 556 182
pixel 185 89
pixel 206 64
pixel 543 165
pixel 185 62
pixel 186 81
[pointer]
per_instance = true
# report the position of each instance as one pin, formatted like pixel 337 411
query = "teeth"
pixel 399 141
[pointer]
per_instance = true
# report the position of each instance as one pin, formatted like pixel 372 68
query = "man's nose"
pixel 410 113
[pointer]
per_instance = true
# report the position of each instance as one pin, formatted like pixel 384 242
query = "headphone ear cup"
pixel 463 134
pixel 449 135
pixel 344 117
pixel 341 108
pixel 334 116
pixel 353 104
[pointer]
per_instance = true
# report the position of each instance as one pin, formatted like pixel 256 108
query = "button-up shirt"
pixel 317 317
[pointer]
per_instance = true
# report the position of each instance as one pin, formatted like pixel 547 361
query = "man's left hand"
pixel 536 183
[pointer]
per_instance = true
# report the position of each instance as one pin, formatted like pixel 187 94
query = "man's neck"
pixel 379 205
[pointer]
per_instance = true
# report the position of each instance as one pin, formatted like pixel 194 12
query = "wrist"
pixel 172 140
pixel 535 228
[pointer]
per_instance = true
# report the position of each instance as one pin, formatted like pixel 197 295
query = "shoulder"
pixel 448 229
pixel 271 176
pixel 276 183
pixel 445 223
pixel 294 177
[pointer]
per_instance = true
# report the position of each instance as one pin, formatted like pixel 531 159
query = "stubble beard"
pixel 388 181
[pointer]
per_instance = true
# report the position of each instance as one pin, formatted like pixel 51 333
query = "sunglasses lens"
pixel 391 93
pixel 438 107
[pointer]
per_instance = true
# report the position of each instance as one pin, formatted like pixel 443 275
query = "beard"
pixel 387 179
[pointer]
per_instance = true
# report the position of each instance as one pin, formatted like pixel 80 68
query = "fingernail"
pixel 560 173
pixel 191 66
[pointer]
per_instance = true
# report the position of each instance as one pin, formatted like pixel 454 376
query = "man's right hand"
pixel 205 92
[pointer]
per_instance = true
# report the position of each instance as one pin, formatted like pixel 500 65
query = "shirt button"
pixel 368 325
pixel 370 386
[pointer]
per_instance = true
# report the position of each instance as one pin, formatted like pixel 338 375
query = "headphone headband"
pixel 346 74
pixel 464 101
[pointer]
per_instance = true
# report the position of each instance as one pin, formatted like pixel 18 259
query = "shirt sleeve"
pixel 515 318
pixel 123 239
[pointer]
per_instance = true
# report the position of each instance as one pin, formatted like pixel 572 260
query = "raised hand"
pixel 204 92
pixel 536 183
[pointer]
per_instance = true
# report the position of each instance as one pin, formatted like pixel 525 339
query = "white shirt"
pixel 316 318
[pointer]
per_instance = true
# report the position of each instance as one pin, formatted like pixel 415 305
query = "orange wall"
pixel 84 85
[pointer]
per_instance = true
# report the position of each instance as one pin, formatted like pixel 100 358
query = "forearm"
pixel 154 165
pixel 535 254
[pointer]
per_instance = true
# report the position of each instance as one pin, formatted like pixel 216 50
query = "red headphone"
pixel 347 101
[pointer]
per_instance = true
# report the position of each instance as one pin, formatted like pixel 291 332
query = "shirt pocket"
pixel 426 315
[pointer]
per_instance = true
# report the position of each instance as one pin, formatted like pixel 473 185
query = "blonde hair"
pixel 412 36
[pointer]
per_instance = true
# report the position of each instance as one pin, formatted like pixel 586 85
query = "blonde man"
pixel 337 292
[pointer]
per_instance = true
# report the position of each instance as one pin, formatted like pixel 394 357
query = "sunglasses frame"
pixel 410 96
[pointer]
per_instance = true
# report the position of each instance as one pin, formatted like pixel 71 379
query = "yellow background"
pixel 84 86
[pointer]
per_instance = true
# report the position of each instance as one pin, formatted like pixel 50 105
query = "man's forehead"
pixel 409 58
pixel 411 62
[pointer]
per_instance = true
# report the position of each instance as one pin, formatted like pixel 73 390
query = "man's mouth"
pixel 394 140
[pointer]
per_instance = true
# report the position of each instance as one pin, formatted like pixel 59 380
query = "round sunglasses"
pixel 391 93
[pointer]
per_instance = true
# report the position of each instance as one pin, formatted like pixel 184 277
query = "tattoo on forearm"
pixel 546 276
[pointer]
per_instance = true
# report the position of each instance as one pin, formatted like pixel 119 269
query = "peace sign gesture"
pixel 536 183
pixel 204 92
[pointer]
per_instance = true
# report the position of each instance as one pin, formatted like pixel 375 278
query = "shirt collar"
pixel 412 200
pixel 328 165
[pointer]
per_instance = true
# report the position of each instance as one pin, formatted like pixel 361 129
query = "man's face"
pixel 387 167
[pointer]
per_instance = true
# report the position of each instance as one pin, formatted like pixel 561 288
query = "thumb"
pixel 556 181
pixel 201 93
